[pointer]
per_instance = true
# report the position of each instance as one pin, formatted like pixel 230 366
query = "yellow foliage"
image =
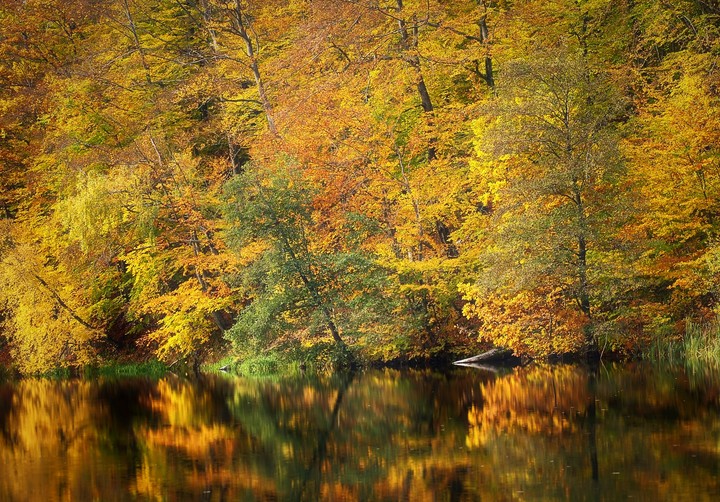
pixel 46 325
pixel 185 319
pixel 535 323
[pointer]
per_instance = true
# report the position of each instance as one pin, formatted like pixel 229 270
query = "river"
pixel 535 433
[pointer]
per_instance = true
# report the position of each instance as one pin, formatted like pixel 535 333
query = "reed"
pixel 700 345
pixel 702 341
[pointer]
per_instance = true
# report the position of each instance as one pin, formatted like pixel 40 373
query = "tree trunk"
pixel 583 293
pixel 136 39
pixel 311 288
pixel 200 276
pixel 484 37
pixel 241 28
pixel 496 355
pixel 62 304
pixel 410 44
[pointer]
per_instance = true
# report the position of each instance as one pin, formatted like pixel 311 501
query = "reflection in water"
pixel 538 433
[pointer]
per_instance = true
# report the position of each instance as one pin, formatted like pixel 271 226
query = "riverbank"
pixel 697 347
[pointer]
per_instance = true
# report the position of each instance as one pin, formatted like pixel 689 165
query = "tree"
pixel 47 320
pixel 274 208
pixel 551 164
pixel 295 287
pixel 673 155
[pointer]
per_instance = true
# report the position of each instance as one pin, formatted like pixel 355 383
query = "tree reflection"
pixel 556 432
pixel 591 426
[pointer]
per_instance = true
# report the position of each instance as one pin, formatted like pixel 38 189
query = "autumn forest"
pixel 395 180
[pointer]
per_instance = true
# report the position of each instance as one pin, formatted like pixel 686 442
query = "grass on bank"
pixel 150 369
pixel 112 369
pixel 699 345
pixel 260 365
pixel 319 358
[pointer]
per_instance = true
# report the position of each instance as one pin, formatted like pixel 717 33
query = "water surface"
pixel 535 433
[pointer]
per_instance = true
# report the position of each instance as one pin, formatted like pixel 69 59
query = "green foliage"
pixel 326 357
pixel 316 358
pixel 283 277
pixel 293 285
pixel 261 365
pixel 57 373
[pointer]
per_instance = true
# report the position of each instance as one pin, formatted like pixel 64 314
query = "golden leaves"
pixel 536 323
pixel 47 322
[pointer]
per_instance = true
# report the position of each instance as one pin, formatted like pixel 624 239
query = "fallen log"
pixel 495 356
